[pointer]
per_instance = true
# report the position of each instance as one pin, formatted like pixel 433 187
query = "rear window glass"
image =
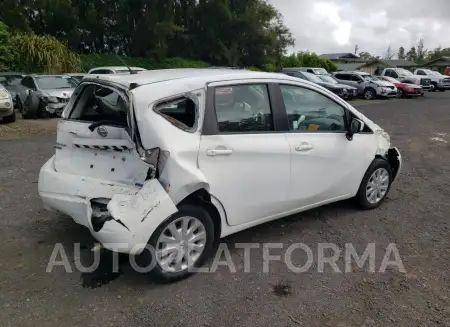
pixel 96 103
pixel 180 111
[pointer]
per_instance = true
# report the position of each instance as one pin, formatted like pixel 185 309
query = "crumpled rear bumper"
pixel 135 212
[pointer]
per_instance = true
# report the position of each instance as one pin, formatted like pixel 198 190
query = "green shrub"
pixel 43 54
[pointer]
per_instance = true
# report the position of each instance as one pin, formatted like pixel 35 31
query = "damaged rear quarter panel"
pixel 136 217
pixel 180 175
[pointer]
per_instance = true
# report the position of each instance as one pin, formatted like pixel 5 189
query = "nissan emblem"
pixel 102 131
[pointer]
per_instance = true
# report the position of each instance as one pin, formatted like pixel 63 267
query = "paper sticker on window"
pixel 313 127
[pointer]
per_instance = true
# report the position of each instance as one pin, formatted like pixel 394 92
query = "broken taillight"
pixel 156 159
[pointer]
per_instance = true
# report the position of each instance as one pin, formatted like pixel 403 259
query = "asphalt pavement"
pixel 415 217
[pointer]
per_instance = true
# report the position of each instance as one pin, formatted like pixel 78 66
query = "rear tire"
pixel 375 185
pixel 11 118
pixel 19 104
pixel 30 109
pixel 194 214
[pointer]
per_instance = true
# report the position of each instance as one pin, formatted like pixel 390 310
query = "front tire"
pixel 182 242
pixel 10 119
pixel 375 184
pixel 400 94
pixel 370 94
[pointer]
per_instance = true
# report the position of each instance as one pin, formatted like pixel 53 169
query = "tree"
pixel 411 55
pixel 421 52
pixel 222 32
pixel 367 56
pixel 401 53
pixel 389 53
pixel 7 52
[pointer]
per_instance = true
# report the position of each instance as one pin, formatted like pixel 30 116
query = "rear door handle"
pixel 219 152
pixel 303 147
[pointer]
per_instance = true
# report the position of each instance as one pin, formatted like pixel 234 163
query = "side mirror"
pixel 360 81
pixel 356 126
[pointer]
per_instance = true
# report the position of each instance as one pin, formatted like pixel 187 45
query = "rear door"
pixel 245 161
pixel 106 151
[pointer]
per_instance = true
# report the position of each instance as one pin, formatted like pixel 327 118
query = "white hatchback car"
pixel 174 160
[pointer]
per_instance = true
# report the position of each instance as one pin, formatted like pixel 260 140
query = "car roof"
pixel 47 75
pixel 12 73
pixel 352 72
pixel 117 68
pixel 195 77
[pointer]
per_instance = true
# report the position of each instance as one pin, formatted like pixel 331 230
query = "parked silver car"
pixel 45 94
pixel 7 112
pixel 369 86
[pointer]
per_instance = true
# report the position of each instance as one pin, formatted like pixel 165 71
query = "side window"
pixel 310 71
pixel 343 77
pixel 95 103
pixel 310 111
pixel 101 71
pixel 28 82
pixel 180 111
pixel 243 108
pixel 356 78
pixel 420 72
pixel 393 74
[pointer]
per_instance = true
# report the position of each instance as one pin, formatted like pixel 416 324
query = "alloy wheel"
pixel 180 244
pixel 368 95
pixel 377 186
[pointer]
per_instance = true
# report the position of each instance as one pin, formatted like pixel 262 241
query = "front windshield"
pixel 312 78
pixel 369 78
pixel 320 71
pixel 11 80
pixel 328 79
pixel 403 72
pixel 56 82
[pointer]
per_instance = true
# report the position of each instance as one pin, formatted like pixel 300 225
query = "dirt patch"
pixel 26 128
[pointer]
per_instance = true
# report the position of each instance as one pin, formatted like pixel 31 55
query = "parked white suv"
pixel 173 160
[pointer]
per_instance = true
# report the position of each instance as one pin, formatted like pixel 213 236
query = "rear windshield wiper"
pixel 96 124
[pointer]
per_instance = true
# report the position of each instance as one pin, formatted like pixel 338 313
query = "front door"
pixel 325 165
pixel 245 162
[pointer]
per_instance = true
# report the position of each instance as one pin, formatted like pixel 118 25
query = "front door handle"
pixel 218 152
pixel 303 147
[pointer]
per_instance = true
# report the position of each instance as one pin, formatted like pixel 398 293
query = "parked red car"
pixel 404 90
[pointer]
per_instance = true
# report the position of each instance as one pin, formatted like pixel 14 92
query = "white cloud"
pixel 338 25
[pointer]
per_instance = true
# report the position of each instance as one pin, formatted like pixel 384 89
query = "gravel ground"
pixel 414 217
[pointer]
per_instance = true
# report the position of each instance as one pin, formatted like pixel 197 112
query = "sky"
pixel 333 26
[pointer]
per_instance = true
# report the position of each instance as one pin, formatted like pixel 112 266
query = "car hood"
pixel 382 83
pixel 59 93
pixel 328 85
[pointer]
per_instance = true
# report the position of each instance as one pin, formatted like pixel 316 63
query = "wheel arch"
pixel 202 197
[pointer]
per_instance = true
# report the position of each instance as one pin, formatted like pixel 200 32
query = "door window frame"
pixel 281 105
pixel 211 124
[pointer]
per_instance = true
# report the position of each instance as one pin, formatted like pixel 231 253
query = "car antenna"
pixel 125 64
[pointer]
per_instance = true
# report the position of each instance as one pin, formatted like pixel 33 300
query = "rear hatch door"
pixel 94 136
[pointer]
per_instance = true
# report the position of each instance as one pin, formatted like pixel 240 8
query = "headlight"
pixel 51 99
pixel 4 94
